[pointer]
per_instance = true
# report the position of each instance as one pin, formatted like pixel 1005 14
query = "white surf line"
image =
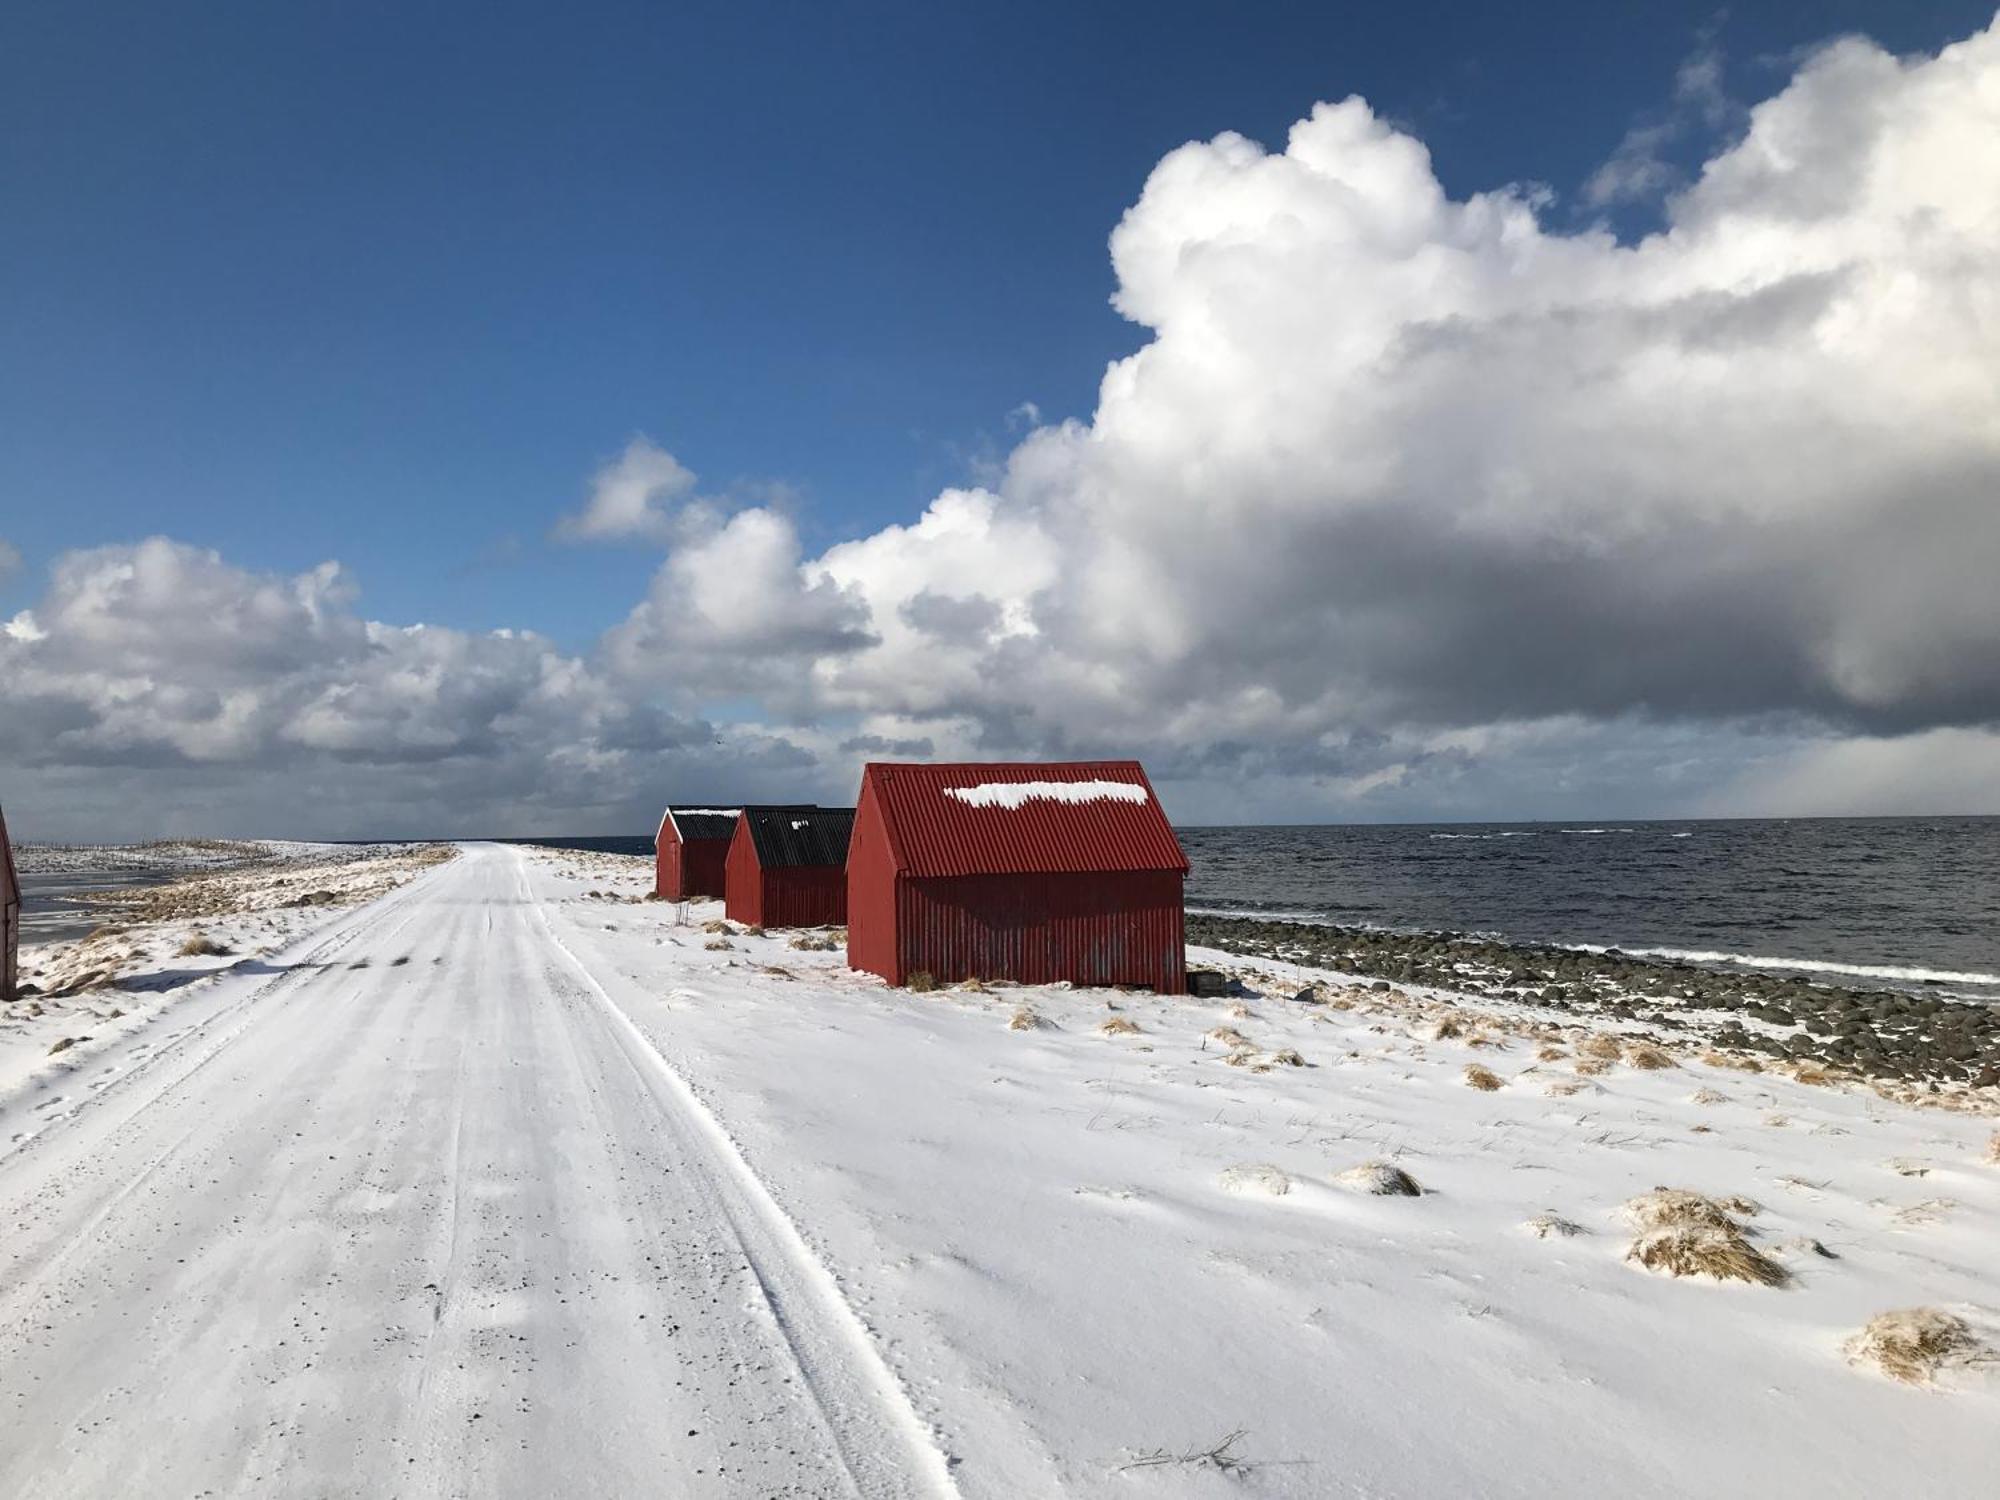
pixel 1802 965
pixel 307 948
pixel 838 1361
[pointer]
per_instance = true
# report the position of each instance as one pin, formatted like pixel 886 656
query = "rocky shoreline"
pixel 1891 1034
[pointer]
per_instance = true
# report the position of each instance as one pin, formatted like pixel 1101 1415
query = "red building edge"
pixel 10 918
pixel 781 895
pixel 687 869
pixel 969 918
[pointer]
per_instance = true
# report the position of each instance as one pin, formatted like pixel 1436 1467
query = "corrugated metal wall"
pixel 690 870
pixel 10 917
pixel 1119 927
pixel 802 896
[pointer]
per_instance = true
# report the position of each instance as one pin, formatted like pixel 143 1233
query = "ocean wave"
pixel 1525 833
pixel 1599 830
pixel 1802 965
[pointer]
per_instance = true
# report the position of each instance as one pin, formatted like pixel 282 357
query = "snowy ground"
pixel 510 1183
pixel 229 905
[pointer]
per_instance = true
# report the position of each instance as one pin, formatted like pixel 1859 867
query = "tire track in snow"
pixel 883 1442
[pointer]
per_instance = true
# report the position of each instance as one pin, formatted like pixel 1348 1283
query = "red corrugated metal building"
pixel 10 917
pixel 787 867
pixel 689 850
pixel 1035 873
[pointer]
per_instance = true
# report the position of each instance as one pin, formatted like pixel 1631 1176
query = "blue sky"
pixel 1419 493
pixel 386 283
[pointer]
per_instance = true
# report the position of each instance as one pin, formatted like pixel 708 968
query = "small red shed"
pixel 689 849
pixel 1035 873
pixel 787 867
pixel 10 917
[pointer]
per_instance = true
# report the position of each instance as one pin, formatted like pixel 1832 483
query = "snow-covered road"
pixel 413 1211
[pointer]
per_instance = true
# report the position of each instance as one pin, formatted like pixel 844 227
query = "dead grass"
pixel 1118 1026
pixel 922 982
pixel 1736 1062
pixel 1285 1057
pixel 1484 1079
pixel 1381 1178
pixel 1024 1019
pixel 974 985
pixel 717 926
pixel 1446 1029
pixel 1707 1096
pixel 1666 1207
pixel 813 942
pixel 719 945
pixel 1550 1054
pixel 1241 1012
pixel 1592 1067
pixel 1562 1088
pixel 1706 1250
pixel 201 945
pixel 1645 1055
pixel 1912 1344
pixel 1552 1226
pixel 1228 1036
pixel 1600 1047
pixel 1993 1150
pixel 1815 1074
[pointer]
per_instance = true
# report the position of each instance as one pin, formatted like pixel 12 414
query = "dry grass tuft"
pixel 201 945
pixel 1562 1088
pixel 1666 1207
pixel 1287 1058
pixel 1550 1054
pixel 1815 1074
pixel 1381 1178
pixel 1913 1343
pixel 1591 1067
pixel 813 942
pixel 754 930
pixel 1706 1250
pixel 1646 1055
pixel 1257 1178
pixel 1736 1062
pixel 975 985
pixel 1485 1039
pixel 1228 1036
pixel 1118 1026
pixel 1552 1226
pixel 1707 1096
pixel 719 945
pixel 1993 1150
pixel 1602 1048
pixel 1446 1029
pixel 1241 1012
pixel 922 981
pixel 717 926
pixel 1024 1019
pixel 1484 1079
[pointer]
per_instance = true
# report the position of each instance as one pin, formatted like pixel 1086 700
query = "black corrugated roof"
pixel 789 838
pixel 703 825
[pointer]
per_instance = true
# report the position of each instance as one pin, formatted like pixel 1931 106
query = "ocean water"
pixel 1872 902
pixel 1890 902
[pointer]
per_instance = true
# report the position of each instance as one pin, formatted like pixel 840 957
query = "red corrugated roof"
pixel 932 833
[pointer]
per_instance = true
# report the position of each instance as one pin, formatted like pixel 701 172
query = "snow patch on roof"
pixel 1012 794
pixel 707 812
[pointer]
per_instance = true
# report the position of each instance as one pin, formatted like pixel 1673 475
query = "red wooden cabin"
pixel 787 867
pixel 10 917
pixel 1035 873
pixel 689 850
